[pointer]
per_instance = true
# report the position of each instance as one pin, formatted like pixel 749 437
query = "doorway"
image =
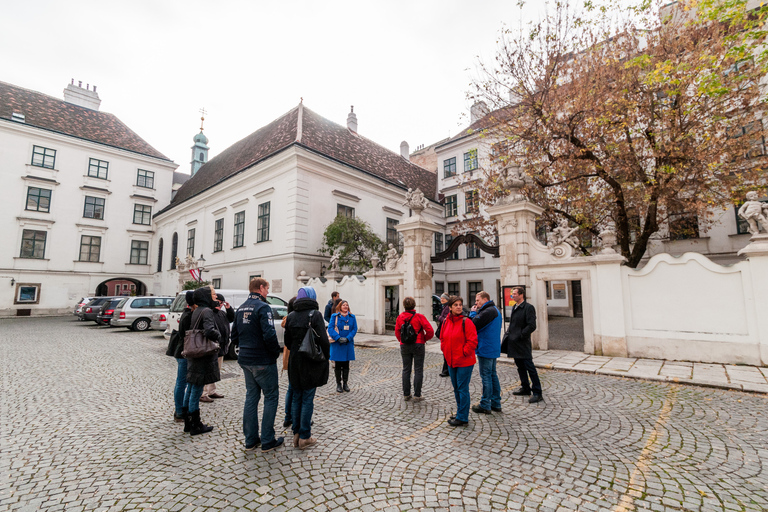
pixel 565 314
pixel 391 308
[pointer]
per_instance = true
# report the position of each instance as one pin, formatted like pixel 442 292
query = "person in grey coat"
pixel 517 344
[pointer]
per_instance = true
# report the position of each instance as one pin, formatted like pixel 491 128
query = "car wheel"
pixel 142 324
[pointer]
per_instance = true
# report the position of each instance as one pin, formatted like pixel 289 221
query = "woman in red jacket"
pixel 458 341
pixel 412 350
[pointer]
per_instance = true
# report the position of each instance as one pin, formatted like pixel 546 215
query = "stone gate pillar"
pixel 516 221
pixel 418 234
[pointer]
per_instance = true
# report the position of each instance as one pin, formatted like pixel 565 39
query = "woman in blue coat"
pixel 342 329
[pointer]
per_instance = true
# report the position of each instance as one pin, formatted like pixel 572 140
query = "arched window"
pixel 160 256
pixel 202 157
pixel 174 250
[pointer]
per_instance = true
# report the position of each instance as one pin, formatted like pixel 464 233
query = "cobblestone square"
pixel 86 424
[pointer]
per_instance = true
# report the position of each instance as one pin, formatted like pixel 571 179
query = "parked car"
pixel 91 310
pixel 135 313
pixel 106 311
pixel 159 321
pixel 80 304
pixel 278 313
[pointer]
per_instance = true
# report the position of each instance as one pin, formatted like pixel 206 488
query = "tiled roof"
pixel 180 177
pixel 307 129
pixel 48 113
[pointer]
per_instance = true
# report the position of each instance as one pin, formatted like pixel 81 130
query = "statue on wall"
pixel 191 263
pixel 512 179
pixel 335 260
pixel 391 262
pixel 415 200
pixel 755 213
pixel 179 264
pixel 562 234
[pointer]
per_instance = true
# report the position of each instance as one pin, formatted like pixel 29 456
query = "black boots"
pixel 187 420
pixel 197 426
pixel 337 374
pixel 345 376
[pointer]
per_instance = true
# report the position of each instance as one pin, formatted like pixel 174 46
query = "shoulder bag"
pixel 342 339
pixel 310 347
pixel 196 344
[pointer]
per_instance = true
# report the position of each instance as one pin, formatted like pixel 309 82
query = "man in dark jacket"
pixel 224 315
pixel 329 307
pixel 254 332
pixel 517 344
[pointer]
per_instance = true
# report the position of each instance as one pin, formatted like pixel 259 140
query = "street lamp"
pixel 200 268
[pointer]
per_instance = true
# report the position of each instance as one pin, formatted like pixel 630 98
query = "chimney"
pixel 76 95
pixel 405 151
pixel 477 111
pixel 352 120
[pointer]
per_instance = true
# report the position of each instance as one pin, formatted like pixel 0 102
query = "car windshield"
pixel 179 303
pixel 276 301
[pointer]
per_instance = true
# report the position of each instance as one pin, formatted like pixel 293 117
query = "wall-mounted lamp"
pixel 322 270
pixel 13 281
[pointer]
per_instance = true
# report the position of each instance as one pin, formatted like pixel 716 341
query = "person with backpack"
pixel 413 330
pixel 342 328
pixel 458 341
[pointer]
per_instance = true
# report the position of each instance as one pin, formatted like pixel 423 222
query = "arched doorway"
pixel 121 286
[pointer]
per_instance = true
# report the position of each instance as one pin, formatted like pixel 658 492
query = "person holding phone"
pixel 342 329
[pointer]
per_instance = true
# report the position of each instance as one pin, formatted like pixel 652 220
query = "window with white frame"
pixel 262 228
pixel 218 235
pixel 191 242
pixel 239 238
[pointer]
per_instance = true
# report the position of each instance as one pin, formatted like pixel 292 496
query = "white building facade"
pixel 80 189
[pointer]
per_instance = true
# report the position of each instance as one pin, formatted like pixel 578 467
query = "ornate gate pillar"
pixel 418 234
pixel 516 223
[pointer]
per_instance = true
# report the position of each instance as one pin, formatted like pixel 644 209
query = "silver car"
pixel 159 321
pixel 135 313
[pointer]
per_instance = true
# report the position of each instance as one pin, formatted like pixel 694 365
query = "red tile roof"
pixel 311 131
pixel 55 115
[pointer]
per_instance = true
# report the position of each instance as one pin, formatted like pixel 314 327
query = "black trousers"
pixel 341 371
pixel 525 367
pixel 413 355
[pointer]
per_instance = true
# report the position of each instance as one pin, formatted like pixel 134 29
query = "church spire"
pixel 200 147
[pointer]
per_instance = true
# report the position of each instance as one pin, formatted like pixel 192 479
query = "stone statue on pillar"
pixel 512 179
pixel 755 213
pixel 390 263
pixel 415 200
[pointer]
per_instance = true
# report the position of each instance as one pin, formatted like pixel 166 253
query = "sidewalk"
pixel 752 379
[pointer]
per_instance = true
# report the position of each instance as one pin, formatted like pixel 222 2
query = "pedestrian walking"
pixel 342 329
pixel 487 319
pixel 175 348
pixel 458 341
pixel 304 374
pixel 202 370
pixel 440 319
pixel 412 330
pixel 517 344
pixel 254 332
pixel 225 315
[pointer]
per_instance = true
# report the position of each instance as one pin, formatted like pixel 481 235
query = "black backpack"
pixel 408 335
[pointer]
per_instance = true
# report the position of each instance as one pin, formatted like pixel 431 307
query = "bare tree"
pixel 631 117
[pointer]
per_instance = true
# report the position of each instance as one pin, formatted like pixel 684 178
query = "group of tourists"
pixel 313 341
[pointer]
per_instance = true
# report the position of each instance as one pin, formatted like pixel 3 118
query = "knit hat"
pixel 306 292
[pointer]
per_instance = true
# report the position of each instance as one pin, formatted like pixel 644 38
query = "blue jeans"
pixel 460 379
pixel 181 391
pixel 491 387
pixel 303 406
pixel 260 379
pixel 288 404
pixel 195 392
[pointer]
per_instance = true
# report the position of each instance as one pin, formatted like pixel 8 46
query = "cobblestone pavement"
pixel 86 417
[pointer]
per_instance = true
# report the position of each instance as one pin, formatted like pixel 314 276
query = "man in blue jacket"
pixel 254 332
pixel 487 320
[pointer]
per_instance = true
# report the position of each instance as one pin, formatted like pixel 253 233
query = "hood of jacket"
pixel 305 304
pixel 203 297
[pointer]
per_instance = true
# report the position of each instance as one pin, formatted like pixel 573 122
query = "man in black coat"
pixel 517 344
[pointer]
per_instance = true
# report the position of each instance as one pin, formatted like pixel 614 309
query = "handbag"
pixel 196 344
pixel 342 340
pixel 309 347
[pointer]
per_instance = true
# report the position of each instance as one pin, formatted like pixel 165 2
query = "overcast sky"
pixel 405 65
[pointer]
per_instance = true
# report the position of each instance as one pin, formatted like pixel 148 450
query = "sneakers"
pixel 457 423
pixel 407 398
pixel 535 398
pixel 522 392
pixel 275 444
pixel 306 443
pixel 480 410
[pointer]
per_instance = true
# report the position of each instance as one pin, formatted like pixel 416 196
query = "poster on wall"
pixel 507 302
